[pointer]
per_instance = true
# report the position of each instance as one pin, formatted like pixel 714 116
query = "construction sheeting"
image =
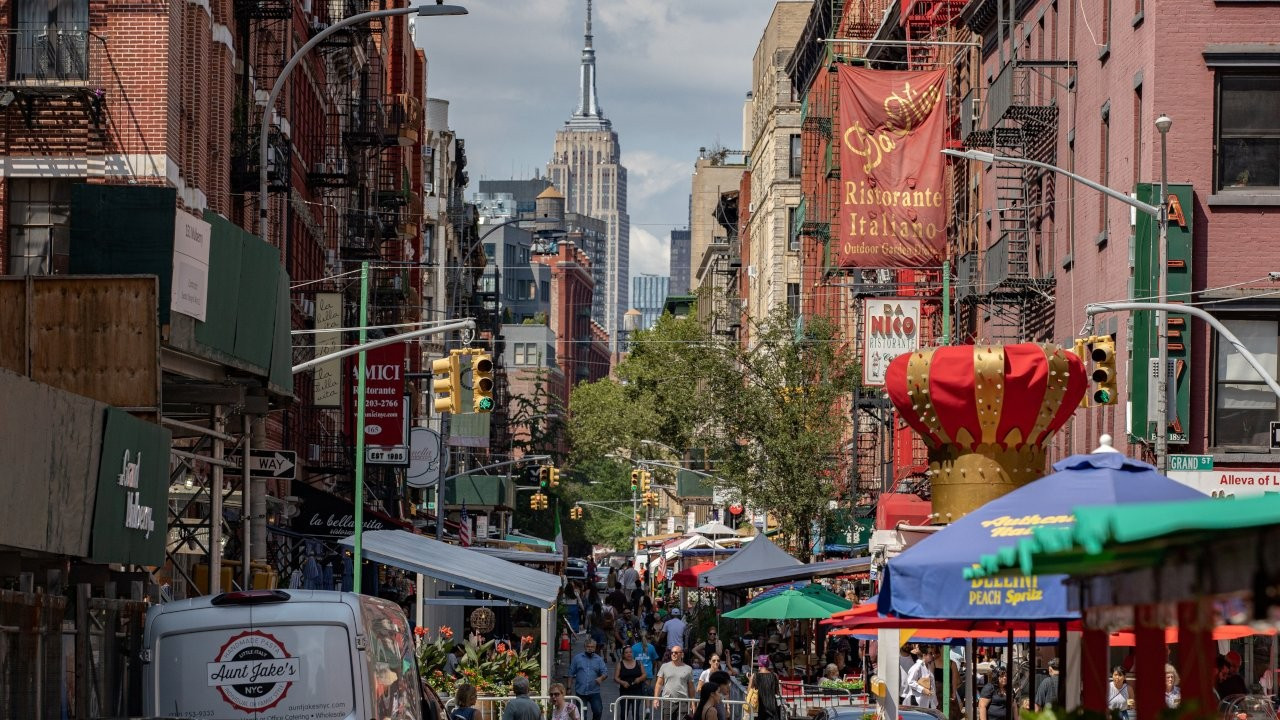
pixel 460 566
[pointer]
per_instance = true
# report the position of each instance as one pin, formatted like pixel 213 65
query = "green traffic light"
pixel 1102 397
pixel 486 403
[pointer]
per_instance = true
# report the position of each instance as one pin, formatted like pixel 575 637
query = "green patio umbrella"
pixel 824 595
pixel 789 605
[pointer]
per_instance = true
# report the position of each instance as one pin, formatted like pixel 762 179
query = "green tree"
pixel 779 415
pixel 771 417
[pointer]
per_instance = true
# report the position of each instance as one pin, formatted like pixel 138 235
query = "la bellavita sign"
pixel 892 328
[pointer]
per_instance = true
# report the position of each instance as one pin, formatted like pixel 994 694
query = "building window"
pixel 793 232
pixel 521 354
pixel 793 299
pixel 1248 134
pixel 1244 406
pixel 545 291
pixel 51 43
pixel 39 228
pixel 794 157
pixel 1104 31
pixel 490 250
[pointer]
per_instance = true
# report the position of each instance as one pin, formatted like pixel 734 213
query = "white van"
pixel 280 655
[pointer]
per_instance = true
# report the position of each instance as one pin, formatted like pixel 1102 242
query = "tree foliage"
pixel 771 417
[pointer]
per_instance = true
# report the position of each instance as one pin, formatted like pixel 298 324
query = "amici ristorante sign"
pixel 892 207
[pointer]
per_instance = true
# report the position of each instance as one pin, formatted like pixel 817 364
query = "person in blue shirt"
pixel 646 653
pixel 588 671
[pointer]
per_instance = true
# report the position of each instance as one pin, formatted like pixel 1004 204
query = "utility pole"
pixel 1163 123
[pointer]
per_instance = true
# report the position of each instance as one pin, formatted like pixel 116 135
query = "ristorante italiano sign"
pixel 892 208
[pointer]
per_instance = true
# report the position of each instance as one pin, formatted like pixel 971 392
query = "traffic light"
pixel 544 475
pixel 1104 370
pixel 646 479
pixel 448 388
pixel 553 476
pixel 635 480
pixel 575 513
pixel 639 518
pixel 538 501
pixel 482 382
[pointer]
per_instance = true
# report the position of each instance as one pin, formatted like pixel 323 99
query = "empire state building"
pixel 585 165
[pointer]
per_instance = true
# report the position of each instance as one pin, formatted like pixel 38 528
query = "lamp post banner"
pixel 892 207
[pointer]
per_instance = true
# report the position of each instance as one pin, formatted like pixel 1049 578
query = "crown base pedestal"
pixel 964 480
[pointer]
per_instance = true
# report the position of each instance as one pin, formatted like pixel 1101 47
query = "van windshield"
pixel 392 660
pixel 270 673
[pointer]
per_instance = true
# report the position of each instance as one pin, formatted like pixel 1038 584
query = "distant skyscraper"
pixel 681 248
pixel 649 296
pixel 585 166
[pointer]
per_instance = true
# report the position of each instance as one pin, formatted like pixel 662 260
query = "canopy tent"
pixel 714 528
pixel 460 566
pixel 759 554
pixel 800 571
pixel 926 581
pixel 688 577
pixel 678 546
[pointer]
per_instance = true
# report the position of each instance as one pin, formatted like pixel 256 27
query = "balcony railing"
pixel 47 55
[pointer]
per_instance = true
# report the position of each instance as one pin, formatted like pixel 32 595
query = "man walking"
pixel 645 653
pixel 1047 693
pixel 521 707
pixel 629 579
pixel 674 686
pixel 674 629
pixel 588 671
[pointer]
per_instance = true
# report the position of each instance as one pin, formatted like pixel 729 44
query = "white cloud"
pixel 650 174
pixel 649 254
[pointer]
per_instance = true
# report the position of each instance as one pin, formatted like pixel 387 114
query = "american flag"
pixel 464 527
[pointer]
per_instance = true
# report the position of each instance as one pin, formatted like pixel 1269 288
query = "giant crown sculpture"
pixel 985 412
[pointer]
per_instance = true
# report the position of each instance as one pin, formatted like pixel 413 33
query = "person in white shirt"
pixel 920 690
pixel 629 579
pixel 906 660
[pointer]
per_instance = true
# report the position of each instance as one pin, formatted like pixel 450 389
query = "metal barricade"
pixel 493 705
pixel 644 707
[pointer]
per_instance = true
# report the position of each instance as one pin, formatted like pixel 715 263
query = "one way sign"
pixel 277 464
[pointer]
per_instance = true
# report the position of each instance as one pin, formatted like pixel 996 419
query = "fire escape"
pixel 1005 287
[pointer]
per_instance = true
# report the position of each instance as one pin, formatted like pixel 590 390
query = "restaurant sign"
pixel 130 512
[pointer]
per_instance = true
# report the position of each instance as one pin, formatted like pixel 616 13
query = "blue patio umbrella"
pixel 927 581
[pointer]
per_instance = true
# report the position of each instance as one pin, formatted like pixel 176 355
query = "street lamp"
pixel 420 10
pixel 1163 123
pixel 264 227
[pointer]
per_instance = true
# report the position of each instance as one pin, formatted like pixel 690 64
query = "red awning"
pixel 688 577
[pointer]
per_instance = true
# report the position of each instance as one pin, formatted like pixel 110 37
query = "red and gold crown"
pixel 984 412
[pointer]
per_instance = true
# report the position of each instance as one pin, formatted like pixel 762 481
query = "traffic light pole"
pixel 1098 308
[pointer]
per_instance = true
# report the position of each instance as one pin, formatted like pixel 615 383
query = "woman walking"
pixel 708 703
pixel 631 678
pixel 767 691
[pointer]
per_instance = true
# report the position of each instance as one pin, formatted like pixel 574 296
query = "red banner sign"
pixel 892 209
pixel 384 407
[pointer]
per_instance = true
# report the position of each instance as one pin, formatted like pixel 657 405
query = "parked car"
pixel 602 577
pixel 293 653
pixel 575 569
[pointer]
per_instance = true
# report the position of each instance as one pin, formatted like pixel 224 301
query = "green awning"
pixel 1116 538
pixel 529 540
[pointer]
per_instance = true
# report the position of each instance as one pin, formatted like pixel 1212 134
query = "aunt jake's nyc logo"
pixel 136 515
pixel 905 110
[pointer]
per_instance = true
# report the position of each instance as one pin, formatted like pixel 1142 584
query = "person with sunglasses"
pixel 713 665
pixel 674 686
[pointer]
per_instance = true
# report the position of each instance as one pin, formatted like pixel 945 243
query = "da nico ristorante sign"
pixel 892 208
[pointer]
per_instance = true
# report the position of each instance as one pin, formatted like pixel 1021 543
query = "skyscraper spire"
pixel 588 104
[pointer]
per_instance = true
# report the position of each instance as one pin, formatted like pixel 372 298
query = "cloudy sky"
pixel 671 76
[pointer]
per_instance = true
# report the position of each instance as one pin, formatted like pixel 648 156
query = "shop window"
pixel 1244 406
